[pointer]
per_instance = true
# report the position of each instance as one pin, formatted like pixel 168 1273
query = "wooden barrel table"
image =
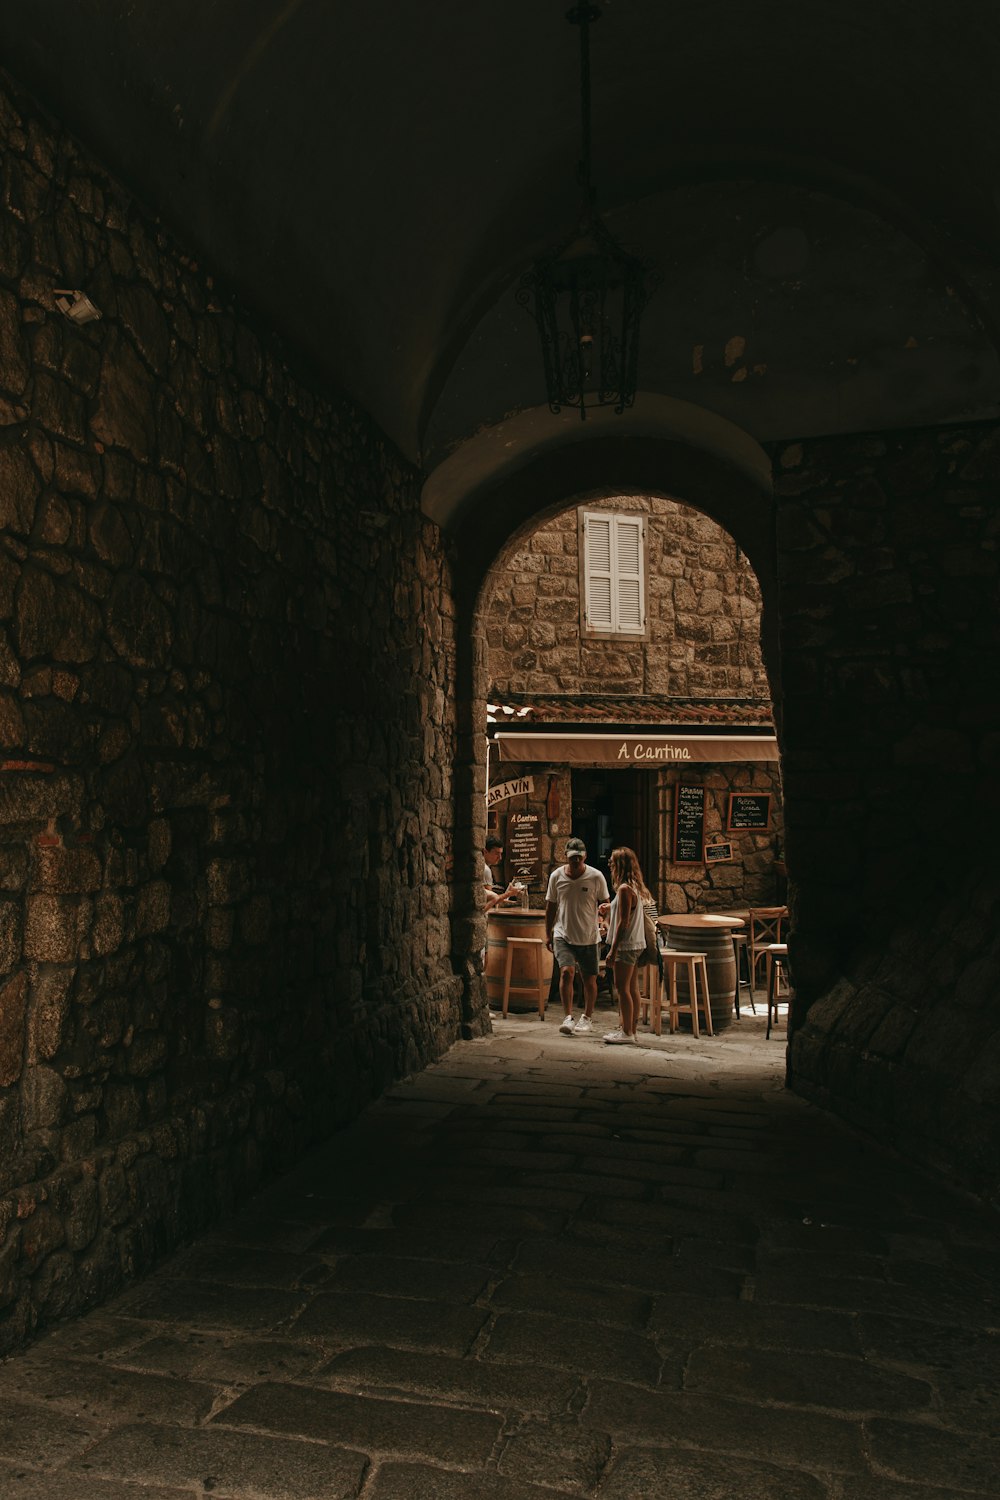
pixel 704 932
pixel 514 922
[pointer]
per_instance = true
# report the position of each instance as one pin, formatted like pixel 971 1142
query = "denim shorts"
pixel 582 956
pixel 630 956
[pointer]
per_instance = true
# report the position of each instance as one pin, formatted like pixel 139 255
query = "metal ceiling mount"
pixel 587 296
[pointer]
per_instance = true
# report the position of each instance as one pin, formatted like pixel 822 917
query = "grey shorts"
pixel 630 956
pixel 582 956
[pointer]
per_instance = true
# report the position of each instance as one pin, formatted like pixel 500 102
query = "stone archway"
pixel 731 489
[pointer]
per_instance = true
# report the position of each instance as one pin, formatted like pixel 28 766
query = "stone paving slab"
pixel 565 1344
pixel 428 1280
pixel 570 1296
pixel 558 1453
pixel 35 1484
pixel 676 1280
pixel 844 1383
pixel 378 1425
pixel 34 1435
pixel 681 1419
pixel 229 1465
pixel 460 1382
pixel 84 1389
pixel 396 1321
pixel 213 1304
pixel 919 1452
pixel 650 1474
pixel 419 1482
pixel 224 1360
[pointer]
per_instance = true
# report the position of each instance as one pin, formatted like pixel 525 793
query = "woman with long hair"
pixel 626 938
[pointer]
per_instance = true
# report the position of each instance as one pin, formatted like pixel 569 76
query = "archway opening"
pixel 624 662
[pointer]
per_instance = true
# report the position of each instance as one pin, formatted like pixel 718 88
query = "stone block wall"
pixel 226 740
pixel 703 611
pixel 889 567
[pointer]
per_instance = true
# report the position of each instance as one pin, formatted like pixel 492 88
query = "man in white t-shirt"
pixel 574 893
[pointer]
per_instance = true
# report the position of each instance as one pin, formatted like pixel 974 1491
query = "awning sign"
pixel 505 789
pixel 634 749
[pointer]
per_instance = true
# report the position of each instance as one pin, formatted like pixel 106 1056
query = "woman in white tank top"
pixel 626 938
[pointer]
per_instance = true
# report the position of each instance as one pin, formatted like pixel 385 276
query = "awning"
pixel 633 749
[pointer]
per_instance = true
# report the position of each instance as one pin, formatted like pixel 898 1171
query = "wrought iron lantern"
pixel 587 296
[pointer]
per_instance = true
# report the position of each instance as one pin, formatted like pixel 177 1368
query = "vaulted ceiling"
pixel 371 178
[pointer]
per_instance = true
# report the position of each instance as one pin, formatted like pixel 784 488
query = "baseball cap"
pixel 575 846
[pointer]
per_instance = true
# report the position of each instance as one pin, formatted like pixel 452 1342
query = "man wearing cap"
pixel 574 893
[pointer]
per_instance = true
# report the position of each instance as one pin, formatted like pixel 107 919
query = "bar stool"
pixel 649 992
pixel 695 964
pixel 533 947
pixel 776 958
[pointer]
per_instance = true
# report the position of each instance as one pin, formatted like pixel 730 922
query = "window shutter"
pixel 614 573
pixel 628 537
pixel 597 566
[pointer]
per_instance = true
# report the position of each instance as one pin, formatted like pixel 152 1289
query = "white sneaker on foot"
pixel 617 1037
pixel 567 1026
pixel 582 1025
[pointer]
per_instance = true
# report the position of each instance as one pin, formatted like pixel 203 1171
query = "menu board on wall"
pixel 749 810
pixel 689 824
pixel 524 855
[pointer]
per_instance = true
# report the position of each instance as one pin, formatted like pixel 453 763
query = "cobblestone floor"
pixel 547 1267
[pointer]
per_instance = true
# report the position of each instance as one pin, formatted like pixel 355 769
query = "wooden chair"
pixel 533 948
pixel 763 927
pixel 695 965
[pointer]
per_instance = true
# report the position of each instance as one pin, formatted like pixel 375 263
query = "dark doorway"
pixel 612 807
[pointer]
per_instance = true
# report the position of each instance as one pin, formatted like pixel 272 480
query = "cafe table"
pixel 709 933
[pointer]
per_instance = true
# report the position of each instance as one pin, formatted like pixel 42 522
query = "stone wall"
pixel 889 569
pixel 703 611
pixel 226 732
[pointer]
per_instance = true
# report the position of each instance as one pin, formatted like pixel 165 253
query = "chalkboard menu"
pixel 524 857
pixel 749 810
pixel 689 825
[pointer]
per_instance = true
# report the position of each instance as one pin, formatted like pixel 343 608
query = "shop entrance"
pixel 613 807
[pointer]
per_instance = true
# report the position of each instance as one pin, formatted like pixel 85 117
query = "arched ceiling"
pixel 370 178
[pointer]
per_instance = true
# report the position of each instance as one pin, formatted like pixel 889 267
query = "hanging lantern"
pixel 587 296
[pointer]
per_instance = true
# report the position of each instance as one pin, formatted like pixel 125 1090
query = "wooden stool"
pixel 742 954
pixel 777 954
pixel 694 964
pixel 649 993
pixel 539 989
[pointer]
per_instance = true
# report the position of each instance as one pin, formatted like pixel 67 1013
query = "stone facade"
pixel 702 641
pixel 226 731
pixel 702 605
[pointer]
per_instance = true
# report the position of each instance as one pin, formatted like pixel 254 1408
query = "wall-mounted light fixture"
pixel 76 305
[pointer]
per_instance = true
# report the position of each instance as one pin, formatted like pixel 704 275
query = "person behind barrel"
pixel 574 893
pixel 626 939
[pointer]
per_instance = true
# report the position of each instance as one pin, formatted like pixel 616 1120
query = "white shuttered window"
pixel 614 572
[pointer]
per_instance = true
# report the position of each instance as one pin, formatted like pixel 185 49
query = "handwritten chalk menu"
pixel 749 810
pixel 689 825
pixel 523 854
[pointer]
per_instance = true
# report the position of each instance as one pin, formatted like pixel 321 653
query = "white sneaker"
pixel 617 1037
pixel 583 1025
pixel 567 1026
